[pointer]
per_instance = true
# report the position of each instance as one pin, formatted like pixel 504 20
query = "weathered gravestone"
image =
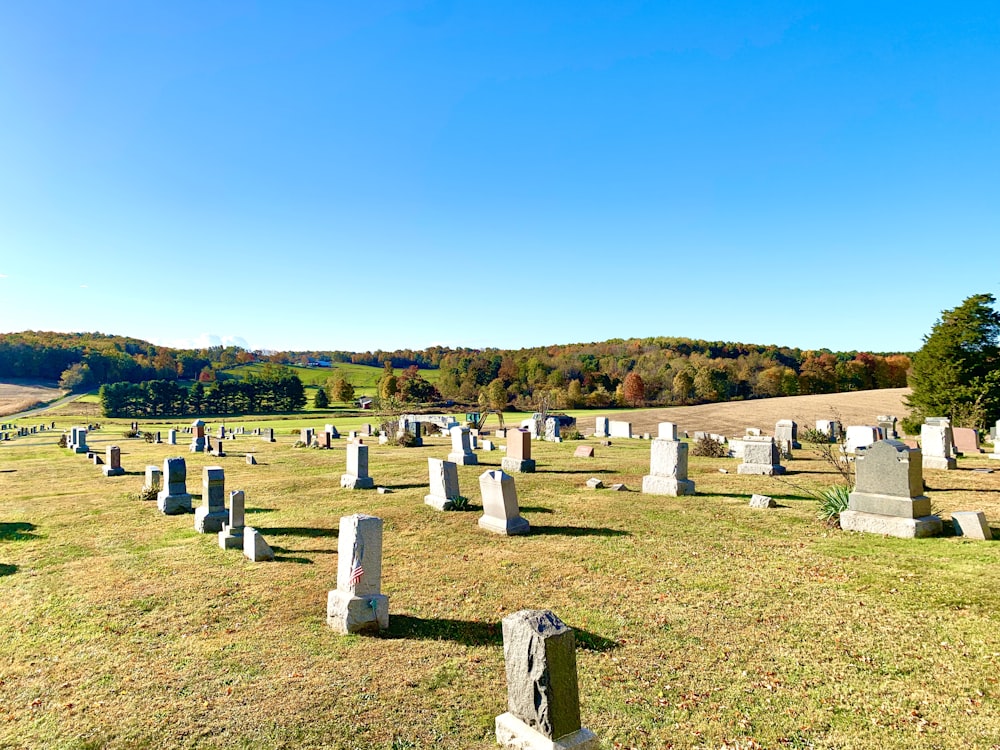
pixel 357 477
pixel 552 430
pixel 331 430
pixel 518 459
pixel 174 499
pixel 762 501
pixel 488 446
pixel 584 451
pixel 197 436
pixel 251 459
pixel 255 547
pixel 113 461
pixel 937 447
pixel 443 484
pixel 79 440
pixel 601 428
pixel 543 699
pixel 210 516
pixel 322 440
pixel 971 524
pixel 595 484
pixel 306 436
pixel 668 467
pixel 887 423
pixel 786 435
pixel 966 440
pixel 828 427
pixel 358 605
pixel 267 435
pixel 461 451
pixel 760 456
pixel 501 513
pixel 888 494
pixel 153 475
pixel 231 536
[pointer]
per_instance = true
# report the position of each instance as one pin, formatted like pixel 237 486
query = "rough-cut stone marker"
pixel 552 430
pixel 231 536
pixel 501 513
pixel 113 461
pixel 357 477
pixel 666 431
pixel 584 451
pixel 620 487
pixel 461 450
pixel 255 548
pixel 971 524
pixel 543 698
pixel 153 475
pixel 620 429
pixel 668 465
pixel 937 446
pixel 358 605
pixel 443 484
pixel 595 484
pixel 888 494
pixel 174 499
pixel 762 501
pixel 760 456
pixel 518 459
pixel 197 436
pixel 211 515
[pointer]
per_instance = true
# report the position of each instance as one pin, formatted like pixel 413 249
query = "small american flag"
pixel 356 572
pixel 357 553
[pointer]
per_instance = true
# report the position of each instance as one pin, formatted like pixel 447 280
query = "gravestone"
pixel 443 484
pixel 584 451
pixel 518 459
pixel 267 435
pixel 552 430
pixel 762 501
pixel 736 448
pixel 828 427
pixel 357 477
pixel 358 605
pixel 595 484
pixel 971 524
pixel 936 446
pixel 760 456
pixel 251 459
pixel 322 440
pixel 198 436
pixel 174 499
pixel 887 423
pixel 231 536
pixel 668 467
pixel 461 451
pixel 113 461
pixel 501 432
pixel 786 432
pixel 888 494
pixel 501 513
pixel 153 475
pixel 210 516
pixel 80 440
pixel 995 455
pixel 255 547
pixel 666 431
pixel 306 436
pixel 366 430
pixel 543 699
pixel 331 430
pixel 620 429
pixel 488 446
pixel 534 425
pixel 859 437
pixel 218 450
pixel 171 437
pixel 966 440
pixel 221 433
pixel 601 428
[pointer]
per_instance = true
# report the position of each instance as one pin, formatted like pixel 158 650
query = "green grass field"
pixel 701 623
pixel 362 377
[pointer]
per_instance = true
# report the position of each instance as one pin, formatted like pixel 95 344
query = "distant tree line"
pixel 275 390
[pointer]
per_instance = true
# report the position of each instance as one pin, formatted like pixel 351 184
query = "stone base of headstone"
pixel 939 462
pixel 441 503
pixel 514 733
pixel 994 456
pixel 351 482
pixel 464 459
pixel 517 466
pixel 889 505
pixel 512 527
pixel 229 539
pixel 904 528
pixel 763 469
pixel 110 471
pixel 218 452
pixel 209 523
pixel 81 449
pixel 971 524
pixel 654 485
pixel 346 613
pixel 198 446
pixel 173 505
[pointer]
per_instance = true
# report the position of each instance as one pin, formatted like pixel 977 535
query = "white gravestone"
pixel 461 450
pixel 210 516
pixel 357 477
pixel 443 484
pixel 501 513
pixel 668 466
pixel 358 605
pixel 174 499
pixel 231 536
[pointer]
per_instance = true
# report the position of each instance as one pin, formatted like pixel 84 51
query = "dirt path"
pixel 731 418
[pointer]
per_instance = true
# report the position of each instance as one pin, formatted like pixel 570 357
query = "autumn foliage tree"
pixel 634 389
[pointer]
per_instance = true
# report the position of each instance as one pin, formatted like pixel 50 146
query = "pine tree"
pixel 321 401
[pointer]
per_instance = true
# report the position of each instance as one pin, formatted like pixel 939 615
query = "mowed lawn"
pixel 700 622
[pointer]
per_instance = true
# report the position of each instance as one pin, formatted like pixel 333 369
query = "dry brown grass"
pixel 21 396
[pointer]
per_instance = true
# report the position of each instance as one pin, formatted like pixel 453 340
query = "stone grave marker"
pixel 762 501
pixel 356 477
pixel 461 450
pixel 251 459
pixel 255 547
pixel 518 459
pixel 443 484
pixel 211 515
pixel 306 436
pixel 174 499
pixel 859 437
pixel 552 430
pixel 887 423
pixel 937 447
pixel 171 437
pixel 113 461
pixel 153 475
pixel 601 428
pixel 358 605
pixel 231 536
pixel 198 436
pixel 971 524
pixel 786 432
pixel 668 465
pixel 828 427
pixel 488 446
pixel 966 440
pixel 501 513
pixel 666 431
pixel 595 484
pixel 760 456
pixel 267 435
pixel 584 451
pixel 619 429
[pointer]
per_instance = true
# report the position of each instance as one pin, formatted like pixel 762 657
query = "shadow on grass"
pixel 289 558
pixel 7 471
pixel 7 569
pixel 535 509
pixel 576 531
pixel 307 531
pixel 473 633
pixel 575 471
pixel 16 531
pixel 977 490
pixel 746 496
pixel 404 486
pixel 257 510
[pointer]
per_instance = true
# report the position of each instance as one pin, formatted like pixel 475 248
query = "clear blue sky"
pixel 397 174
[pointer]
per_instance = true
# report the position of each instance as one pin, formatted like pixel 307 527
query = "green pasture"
pixel 700 622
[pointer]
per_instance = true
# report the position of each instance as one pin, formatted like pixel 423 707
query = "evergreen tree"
pixel 321 401
pixel 955 374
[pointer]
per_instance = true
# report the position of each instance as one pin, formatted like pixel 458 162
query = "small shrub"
pixel 406 439
pixel 832 501
pixel 62 440
pixel 298 444
pixel 146 494
pixel 460 503
pixel 570 434
pixel 130 433
pixel 812 435
pixel 150 437
pixel 709 448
